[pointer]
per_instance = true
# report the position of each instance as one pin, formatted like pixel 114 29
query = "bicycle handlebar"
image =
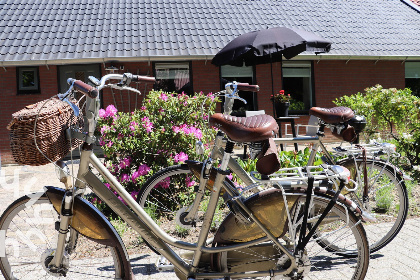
pixel 81 87
pixel 248 87
pixel 242 86
pixel 137 78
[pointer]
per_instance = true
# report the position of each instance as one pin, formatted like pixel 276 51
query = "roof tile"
pixel 35 29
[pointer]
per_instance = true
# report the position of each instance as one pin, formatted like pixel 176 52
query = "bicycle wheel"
pixel 342 228
pixel 166 197
pixel 388 199
pixel 345 233
pixel 30 240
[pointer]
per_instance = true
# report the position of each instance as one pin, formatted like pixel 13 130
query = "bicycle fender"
pixel 91 223
pixel 268 207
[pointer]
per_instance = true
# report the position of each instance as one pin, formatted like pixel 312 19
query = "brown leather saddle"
pixel 246 129
pixel 258 128
pixel 337 115
pixel 332 115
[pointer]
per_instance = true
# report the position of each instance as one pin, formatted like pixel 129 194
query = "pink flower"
pixel 230 176
pixel 132 128
pixel 110 143
pixel 111 111
pixel 186 130
pixel 181 157
pixel 164 97
pixel 143 108
pixel 211 96
pixel 125 178
pixel 148 126
pixel 143 170
pixel 134 194
pixel 189 182
pixel 125 163
pixel 102 113
pixel 176 129
pixel 105 129
pixel 165 183
pixel 196 132
pixel 135 176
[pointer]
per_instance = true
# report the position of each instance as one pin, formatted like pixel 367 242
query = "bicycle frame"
pixel 150 231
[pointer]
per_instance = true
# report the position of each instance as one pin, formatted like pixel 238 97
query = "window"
pixel 243 74
pixel 412 77
pixel 173 77
pixel 27 80
pixel 297 81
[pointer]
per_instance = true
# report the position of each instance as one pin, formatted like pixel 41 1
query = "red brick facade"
pixel 332 79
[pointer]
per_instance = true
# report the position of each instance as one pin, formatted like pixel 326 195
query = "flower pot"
pixel 282 109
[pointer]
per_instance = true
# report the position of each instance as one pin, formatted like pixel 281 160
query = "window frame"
pixel 254 78
pixel 415 91
pixel 31 90
pixel 310 64
pixel 190 72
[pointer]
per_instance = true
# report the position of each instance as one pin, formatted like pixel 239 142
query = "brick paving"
pixel 398 260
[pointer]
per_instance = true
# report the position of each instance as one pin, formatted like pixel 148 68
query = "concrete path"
pixel 398 260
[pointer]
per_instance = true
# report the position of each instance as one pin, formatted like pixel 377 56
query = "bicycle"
pixel 379 186
pixel 271 246
pixel 381 175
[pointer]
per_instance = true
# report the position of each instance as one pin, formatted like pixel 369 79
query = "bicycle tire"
pixel 30 235
pixel 393 198
pixel 341 241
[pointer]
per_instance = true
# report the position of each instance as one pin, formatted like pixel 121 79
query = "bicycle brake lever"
pixel 243 100
pixel 234 96
pixel 63 97
pixel 124 88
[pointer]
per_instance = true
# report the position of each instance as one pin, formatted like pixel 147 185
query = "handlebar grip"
pixel 86 89
pixel 137 78
pixel 248 87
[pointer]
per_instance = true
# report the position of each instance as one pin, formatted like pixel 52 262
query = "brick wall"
pixel 337 78
pixel 332 79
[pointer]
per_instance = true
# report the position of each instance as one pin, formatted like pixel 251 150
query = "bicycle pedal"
pixel 163 264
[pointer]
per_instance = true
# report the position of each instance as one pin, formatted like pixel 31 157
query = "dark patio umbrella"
pixel 269 45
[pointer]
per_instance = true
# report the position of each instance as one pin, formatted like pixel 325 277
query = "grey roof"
pixel 49 31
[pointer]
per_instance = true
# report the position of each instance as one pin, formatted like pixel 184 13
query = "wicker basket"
pixel 53 120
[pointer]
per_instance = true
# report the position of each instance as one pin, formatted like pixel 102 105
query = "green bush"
pixel 393 112
pixel 162 133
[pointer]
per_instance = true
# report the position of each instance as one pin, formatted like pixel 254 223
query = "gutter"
pixel 149 59
pixel 411 5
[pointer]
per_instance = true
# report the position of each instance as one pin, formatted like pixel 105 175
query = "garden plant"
pixel 161 133
pixel 395 113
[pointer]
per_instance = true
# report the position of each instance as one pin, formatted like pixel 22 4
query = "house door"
pixel 79 72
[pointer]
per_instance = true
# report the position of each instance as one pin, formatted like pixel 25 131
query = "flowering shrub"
pixel 163 132
pixel 393 112
pixel 281 97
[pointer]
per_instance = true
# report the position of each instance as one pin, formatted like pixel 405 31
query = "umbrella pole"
pixel 272 85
